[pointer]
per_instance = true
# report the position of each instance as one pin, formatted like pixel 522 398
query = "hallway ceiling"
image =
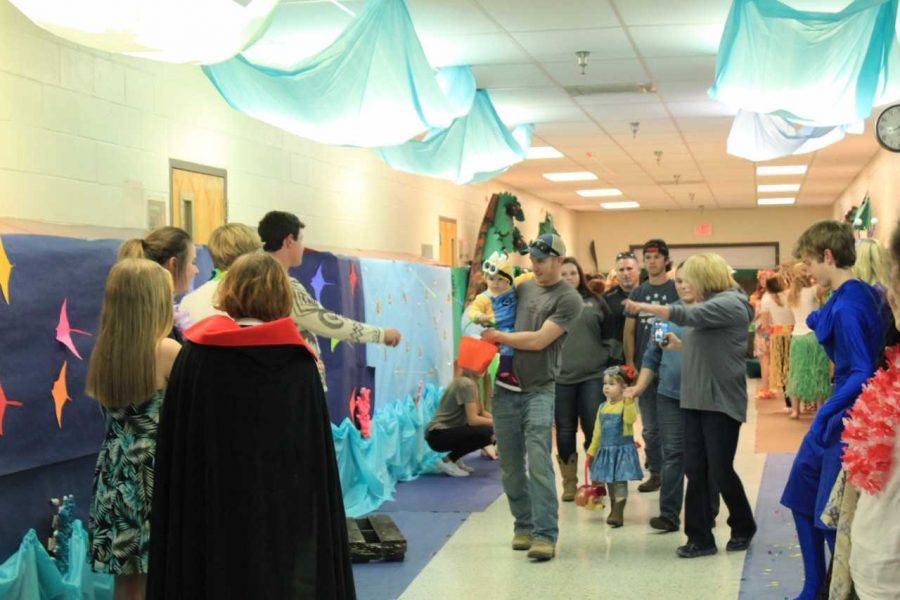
pixel 523 52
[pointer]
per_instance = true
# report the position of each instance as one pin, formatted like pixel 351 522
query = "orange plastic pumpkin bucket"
pixel 475 354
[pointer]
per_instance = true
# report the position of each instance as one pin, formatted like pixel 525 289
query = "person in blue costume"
pixel 496 307
pixel 850 328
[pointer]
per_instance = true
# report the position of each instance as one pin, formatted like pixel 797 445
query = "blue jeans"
pixel 650 428
pixel 522 422
pixel 671 433
pixel 576 402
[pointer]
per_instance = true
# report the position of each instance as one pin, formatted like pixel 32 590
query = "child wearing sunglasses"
pixel 496 307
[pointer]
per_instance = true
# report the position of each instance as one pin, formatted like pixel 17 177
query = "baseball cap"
pixel 546 245
pixel 656 245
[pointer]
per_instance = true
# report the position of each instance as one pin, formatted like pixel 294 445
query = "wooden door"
pixel 447 228
pixel 198 199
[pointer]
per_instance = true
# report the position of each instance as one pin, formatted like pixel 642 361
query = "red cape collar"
pixel 220 330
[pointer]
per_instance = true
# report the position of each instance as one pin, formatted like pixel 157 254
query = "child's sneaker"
pixel 464 466
pixel 508 381
pixel 448 467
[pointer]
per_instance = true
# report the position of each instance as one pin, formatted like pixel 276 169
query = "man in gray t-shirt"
pixel 546 308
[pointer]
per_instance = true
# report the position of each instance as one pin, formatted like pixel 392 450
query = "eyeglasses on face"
pixel 543 247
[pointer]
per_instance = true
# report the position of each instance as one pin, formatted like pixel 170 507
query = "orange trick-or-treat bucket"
pixel 475 354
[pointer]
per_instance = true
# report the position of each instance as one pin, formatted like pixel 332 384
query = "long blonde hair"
pixel 872 262
pixel 136 315
pixel 800 280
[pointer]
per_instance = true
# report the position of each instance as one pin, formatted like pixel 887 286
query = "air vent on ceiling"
pixel 610 88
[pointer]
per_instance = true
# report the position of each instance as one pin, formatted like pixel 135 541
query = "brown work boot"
pixel 569 471
pixel 652 484
pixel 522 541
pixel 542 550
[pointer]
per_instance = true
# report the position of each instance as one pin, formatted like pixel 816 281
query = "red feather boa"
pixel 871 429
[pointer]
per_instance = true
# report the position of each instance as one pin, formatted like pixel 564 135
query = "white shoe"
pixel 449 468
pixel 464 466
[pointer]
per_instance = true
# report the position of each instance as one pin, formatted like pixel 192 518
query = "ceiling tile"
pixel 451 18
pixel 541 15
pixel 482 49
pixel 687 90
pixel 627 113
pixel 597 72
pixel 510 76
pixel 550 46
pixel 704 108
pixel 653 12
pixel 682 69
pixel 669 41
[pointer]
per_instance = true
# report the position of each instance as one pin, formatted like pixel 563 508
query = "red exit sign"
pixel 703 229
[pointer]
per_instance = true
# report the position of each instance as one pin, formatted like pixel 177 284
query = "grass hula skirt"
pixel 809 377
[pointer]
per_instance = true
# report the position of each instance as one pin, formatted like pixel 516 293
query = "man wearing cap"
pixel 658 289
pixel 546 308
pixel 628 272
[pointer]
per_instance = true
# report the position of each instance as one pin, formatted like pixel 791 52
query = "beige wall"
pixel 86 138
pixel 881 180
pixel 613 232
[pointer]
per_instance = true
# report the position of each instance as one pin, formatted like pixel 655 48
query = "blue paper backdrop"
pixel 416 299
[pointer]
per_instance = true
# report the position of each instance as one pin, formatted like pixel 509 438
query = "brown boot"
pixel 569 471
pixel 616 509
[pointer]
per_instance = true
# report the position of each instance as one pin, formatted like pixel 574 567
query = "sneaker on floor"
pixel 450 468
pixel 522 541
pixel 464 466
pixel 663 524
pixel 694 551
pixel 651 485
pixel 508 381
pixel 541 550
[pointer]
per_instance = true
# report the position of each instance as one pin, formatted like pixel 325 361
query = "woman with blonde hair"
pixel 713 396
pixel 127 374
pixel 809 371
pixel 246 464
pixel 172 248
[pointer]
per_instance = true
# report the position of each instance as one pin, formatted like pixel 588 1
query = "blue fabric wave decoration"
pixel 474 148
pixel 760 137
pixel 394 451
pixel 31 573
pixel 372 87
pixel 822 69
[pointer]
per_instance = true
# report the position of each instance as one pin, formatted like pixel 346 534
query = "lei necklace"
pixel 871 428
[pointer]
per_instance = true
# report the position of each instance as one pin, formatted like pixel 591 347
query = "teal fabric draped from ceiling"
pixel 812 68
pixel 31 573
pixel 474 148
pixel 394 451
pixel 760 137
pixel 372 86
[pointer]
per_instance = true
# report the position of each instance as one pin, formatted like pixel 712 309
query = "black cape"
pixel 247 500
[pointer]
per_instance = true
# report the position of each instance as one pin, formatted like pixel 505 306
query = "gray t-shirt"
pixel 451 411
pixel 560 303
pixel 665 293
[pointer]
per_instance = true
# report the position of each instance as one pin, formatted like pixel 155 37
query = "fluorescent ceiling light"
pixel 599 192
pixel 622 204
pixel 570 176
pixel 778 187
pixel 775 201
pixel 781 170
pixel 543 152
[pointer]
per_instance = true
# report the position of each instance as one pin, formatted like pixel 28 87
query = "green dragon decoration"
pixel 498 233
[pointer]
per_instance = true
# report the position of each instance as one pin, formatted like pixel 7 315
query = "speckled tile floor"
pixel 593 560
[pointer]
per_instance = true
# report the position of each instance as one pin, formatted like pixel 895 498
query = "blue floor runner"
pixel 439 493
pixel 773 568
pixel 426 533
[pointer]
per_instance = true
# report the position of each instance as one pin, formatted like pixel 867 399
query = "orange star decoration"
pixel 3 404
pixel 6 268
pixel 60 393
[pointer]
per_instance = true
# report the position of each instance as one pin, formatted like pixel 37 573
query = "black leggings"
pixel 459 441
